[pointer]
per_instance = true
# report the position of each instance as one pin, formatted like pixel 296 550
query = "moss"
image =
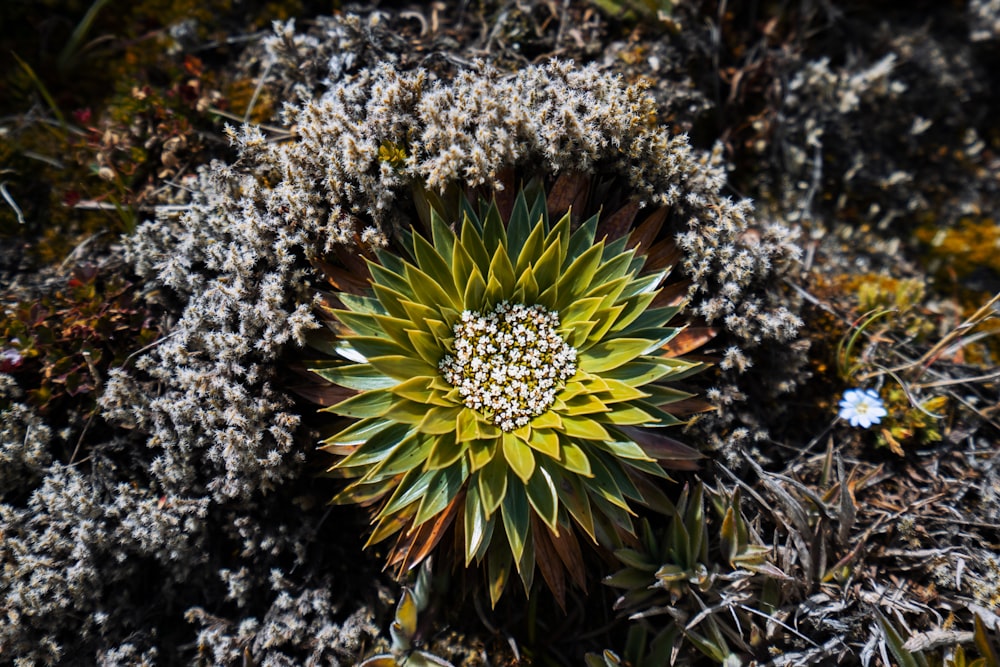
pixel 974 243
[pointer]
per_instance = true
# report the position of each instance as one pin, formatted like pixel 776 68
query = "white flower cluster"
pixel 509 362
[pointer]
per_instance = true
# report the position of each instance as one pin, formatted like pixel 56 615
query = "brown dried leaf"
pixel 617 224
pixel 644 235
pixel 568 193
pixel 548 561
pixel 688 340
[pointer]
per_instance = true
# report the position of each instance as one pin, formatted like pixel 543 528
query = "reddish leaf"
pixel 673 294
pixel 644 236
pixel 323 394
pixel 618 223
pixel 688 406
pixel 568 549
pixel 355 281
pixel 569 193
pixel 662 254
pixel 669 452
pixel 689 339
pixel 505 198
pixel 548 561
pixel 412 547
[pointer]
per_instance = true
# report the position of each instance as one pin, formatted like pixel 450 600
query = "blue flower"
pixel 862 407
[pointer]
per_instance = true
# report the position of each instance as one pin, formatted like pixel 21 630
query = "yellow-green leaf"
pixel 611 354
pixel 514 511
pixel 574 459
pixel 362 377
pixel 373 403
pixel 518 456
pixel 492 480
pixel 544 440
pixel 543 498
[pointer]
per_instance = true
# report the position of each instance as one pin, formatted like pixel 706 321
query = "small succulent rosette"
pixel 504 381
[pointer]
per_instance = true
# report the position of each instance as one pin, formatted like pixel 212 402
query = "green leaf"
pixel 634 307
pixel 498 568
pixel 611 354
pixel 514 511
pixel 442 489
pixel 405 457
pixel 462 266
pixel 574 459
pixel 475 523
pixel 371 346
pixel 582 238
pixel 444 238
pixel 474 297
pixel 390 281
pixel 581 310
pixel 604 485
pixel 573 497
pixel 545 441
pixel 638 373
pixel 502 270
pixel 426 345
pixel 378 447
pixel 445 452
pixel 547 268
pixel 466 425
pixel 518 456
pixel 519 226
pixel 627 415
pixel 585 404
pixel 375 403
pixel 578 278
pixel 435 266
pixel 584 428
pixel 494 233
pixel 427 290
pixel 543 498
pixel 362 377
pixel 651 318
pixel 623 449
pixel 403 367
pixel 526 290
pixel 410 489
pixel 358 432
pixel 361 304
pixel 473 244
pixel 532 249
pixel 612 270
pixel 361 324
pixel 492 480
pixel 481 452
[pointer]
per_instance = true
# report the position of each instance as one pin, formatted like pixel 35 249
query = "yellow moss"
pixel 973 244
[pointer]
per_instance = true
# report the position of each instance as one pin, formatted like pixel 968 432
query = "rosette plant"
pixel 505 380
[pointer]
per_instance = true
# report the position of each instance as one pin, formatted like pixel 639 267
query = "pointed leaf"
pixel 542 497
pixel 518 456
pixel 515 513
pixel 361 377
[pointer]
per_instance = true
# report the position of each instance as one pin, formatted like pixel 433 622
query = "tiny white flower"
pixel 862 407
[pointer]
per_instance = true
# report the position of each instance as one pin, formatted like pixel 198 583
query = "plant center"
pixel 509 362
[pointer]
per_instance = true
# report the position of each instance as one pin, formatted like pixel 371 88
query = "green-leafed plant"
pixel 404 629
pixel 506 380
pixel 701 584
pixel 906 653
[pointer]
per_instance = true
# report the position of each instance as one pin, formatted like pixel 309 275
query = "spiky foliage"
pixel 700 581
pixel 501 377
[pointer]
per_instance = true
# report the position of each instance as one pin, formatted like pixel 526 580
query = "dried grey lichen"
pixel 24 444
pixel 301 627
